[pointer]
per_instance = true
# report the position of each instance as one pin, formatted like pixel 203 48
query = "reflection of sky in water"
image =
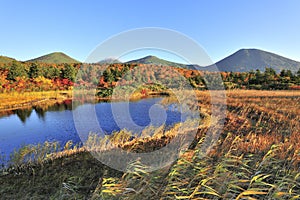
pixel 34 126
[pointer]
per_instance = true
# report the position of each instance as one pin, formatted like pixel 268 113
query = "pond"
pixel 36 125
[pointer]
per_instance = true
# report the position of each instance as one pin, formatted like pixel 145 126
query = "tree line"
pixel 267 80
pixel 17 76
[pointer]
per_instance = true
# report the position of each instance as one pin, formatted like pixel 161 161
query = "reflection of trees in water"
pixel 66 105
pixel 41 110
pixel 23 114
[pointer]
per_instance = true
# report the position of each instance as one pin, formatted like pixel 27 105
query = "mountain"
pixel 243 60
pixel 251 59
pixel 5 59
pixel 56 57
pixel 109 61
pixel 158 61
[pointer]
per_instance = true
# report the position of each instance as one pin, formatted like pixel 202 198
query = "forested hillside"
pixel 18 76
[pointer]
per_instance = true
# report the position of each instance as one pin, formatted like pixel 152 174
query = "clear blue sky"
pixel 33 28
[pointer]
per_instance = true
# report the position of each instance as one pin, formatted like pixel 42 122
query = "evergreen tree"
pixel 282 73
pixel 298 73
pixel 258 77
pixel 298 77
pixel 289 73
pixel 16 70
pixel 108 76
pixel 34 71
pixel 69 72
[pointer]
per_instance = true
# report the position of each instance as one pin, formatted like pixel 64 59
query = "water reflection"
pixel 40 110
pixel 23 114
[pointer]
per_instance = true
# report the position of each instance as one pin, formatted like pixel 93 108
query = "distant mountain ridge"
pixel 56 57
pixel 5 59
pixel 251 59
pixel 109 61
pixel 158 61
pixel 244 60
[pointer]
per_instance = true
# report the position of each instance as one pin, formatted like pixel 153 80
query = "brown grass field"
pixel 15 100
pixel 257 156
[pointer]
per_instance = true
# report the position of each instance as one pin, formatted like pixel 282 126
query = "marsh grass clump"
pixel 34 153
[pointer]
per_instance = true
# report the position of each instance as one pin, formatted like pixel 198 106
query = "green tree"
pixel 125 69
pixel 16 70
pixel 298 73
pixel 270 71
pixel 269 75
pixel 108 76
pixel 69 72
pixel 298 77
pixel 51 72
pixel 282 73
pixel 34 71
pixel 289 73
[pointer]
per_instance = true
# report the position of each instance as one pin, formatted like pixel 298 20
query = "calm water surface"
pixel 33 126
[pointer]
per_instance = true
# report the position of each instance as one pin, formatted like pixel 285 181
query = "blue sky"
pixel 35 27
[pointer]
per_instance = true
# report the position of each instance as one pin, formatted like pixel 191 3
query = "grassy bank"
pixel 15 100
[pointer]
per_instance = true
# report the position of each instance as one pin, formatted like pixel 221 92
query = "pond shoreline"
pixel 15 100
pixel 31 99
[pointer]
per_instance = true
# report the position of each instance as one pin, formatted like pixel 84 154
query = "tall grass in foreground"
pixel 193 176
